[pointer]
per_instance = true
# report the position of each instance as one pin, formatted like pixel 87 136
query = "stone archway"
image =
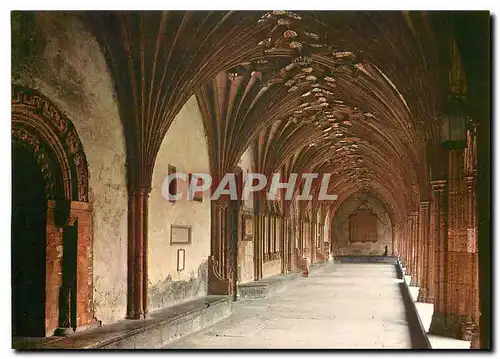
pixel 50 196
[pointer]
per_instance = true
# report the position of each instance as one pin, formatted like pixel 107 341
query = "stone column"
pixel 436 236
pixel 470 326
pixel 452 312
pixel 407 245
pixel 457 249
pixel 411 261
pixel 137 253
pixel 405 241
pixel 286 244
pixel 415 249
pixel 436 292
pixel 301 237
pixel 462 249
pixel 321 237
pixel 410 249
pixel 256 247
pixel 218 282
pixel 313 239
pixel 260 244
pixel 400 241
pixel 424 251
pixel 394 249
pixel 473 244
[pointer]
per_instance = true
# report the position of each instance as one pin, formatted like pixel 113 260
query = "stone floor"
pixel 344 306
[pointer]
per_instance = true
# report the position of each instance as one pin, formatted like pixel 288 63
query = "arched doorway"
pixel 29 213
pixel 51 221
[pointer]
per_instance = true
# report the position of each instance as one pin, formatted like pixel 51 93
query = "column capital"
pixel 470 179
pixel 439 185
pixel 425 204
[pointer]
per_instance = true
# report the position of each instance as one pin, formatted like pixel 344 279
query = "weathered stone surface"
pixel 362 309
pixel 69 68
pixel 157 330
pixel 169 292
pixel 342 244
pixel 184 147
pixel 447 325
pixel 265 287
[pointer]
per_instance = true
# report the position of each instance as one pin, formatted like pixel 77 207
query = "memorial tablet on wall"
pixel 181 259
pixel 180 234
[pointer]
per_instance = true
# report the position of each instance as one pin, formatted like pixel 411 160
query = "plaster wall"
pixel 245 248
pixel 185 147
pixel 246 164
pixel 67 66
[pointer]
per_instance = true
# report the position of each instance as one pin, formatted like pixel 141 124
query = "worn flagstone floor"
pixel 345 306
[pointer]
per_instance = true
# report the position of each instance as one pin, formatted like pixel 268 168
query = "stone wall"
pixel 184 147
pixel 271 268
pixel 342 244
pixel 54 53
pixel 245 261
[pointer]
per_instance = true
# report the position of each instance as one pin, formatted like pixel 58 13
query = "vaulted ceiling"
pixel 355 94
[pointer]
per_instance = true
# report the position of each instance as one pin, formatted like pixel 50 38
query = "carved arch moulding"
pixel 47 133
pixel 40 126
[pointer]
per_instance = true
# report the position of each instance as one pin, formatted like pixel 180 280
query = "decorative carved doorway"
pixel 51 242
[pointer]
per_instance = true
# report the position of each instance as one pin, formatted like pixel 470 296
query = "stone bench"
pixel 265 287
pixel 161 327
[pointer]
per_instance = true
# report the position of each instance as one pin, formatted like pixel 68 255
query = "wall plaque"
pixel 181 259
pixel 180 234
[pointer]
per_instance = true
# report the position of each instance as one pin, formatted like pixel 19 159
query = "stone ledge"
pixel 425 311
pixel 265 287
pixel 418 332
pixel 426 317
pixel 161 327
pixel 366 259
pixel 268 286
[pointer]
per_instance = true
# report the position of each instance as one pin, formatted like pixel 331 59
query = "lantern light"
pixel 454 123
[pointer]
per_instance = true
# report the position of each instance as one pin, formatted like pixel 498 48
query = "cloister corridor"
pixel 343 306
pixel 250 179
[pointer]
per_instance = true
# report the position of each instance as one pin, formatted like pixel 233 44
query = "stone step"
pixel 160 328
